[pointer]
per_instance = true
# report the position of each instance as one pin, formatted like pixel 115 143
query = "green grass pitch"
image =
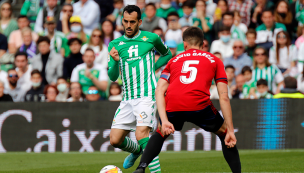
pixel 171 162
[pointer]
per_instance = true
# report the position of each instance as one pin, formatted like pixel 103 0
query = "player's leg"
pixel 210 120
pixel 121 126
pixel 157 140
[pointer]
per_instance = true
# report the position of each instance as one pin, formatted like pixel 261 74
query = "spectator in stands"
pixel 63 88
pixel 36 93
pixel 4 97
pixel 15 39
pixel 187 19
pixel 284 54
pixel 238 22
pixel 108 31
pixel 64 25
pixel 300 39
pixel 262 90
pixel 7 23
pixel 159 32
pixel 166 8
pixel 152 21
pixel 50 92
pixel 222 8
pixel 257 10
pixel 100 49
pixel 230 77
pixel 14 89
pixel 58 40
pixel 174 32
pixel 300 81
pixel 244 7
pixel 300 11
pixel 239 59
pixel 93 95
pixel 200 19
pixel 89 73
pixel 251 37
pixel 180 46
pixel 23 70
pixel 224 44
pixel 172 45
pixel 3 45
pixel 268 30
pixel 76 93
pixel 283 14
pixel 249 82
pixel 262 69
pixel 89 13
pixel 290 90
pixel 52 9
pixel 227 21
pixel 116 16
pixel 219 55
pixel 74 59
pixel 206 46
pixel 115 92
pixel 3 77
pixel 300 63
pixel 48 62
pixel 210 8
pixel 237 89
pixel 30 8
pixel 77 30
pixel 29 45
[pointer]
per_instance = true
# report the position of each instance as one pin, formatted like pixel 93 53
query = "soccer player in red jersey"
pixel 182 95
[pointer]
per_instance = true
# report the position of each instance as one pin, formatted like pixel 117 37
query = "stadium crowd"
pixel 56 51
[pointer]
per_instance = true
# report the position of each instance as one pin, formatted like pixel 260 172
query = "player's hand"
pixel 230 140
pixel 114 54
pixel 167 128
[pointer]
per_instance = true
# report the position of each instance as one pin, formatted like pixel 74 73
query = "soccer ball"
pixel 110 169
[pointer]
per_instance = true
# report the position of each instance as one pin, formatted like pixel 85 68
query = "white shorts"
pixel 135 112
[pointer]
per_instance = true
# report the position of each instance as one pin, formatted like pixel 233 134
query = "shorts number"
pixel 186 69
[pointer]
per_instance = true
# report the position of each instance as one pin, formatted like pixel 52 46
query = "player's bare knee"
pixel 142 133
pixel 114 141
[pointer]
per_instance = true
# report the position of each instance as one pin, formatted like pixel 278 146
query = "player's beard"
pixel 133 33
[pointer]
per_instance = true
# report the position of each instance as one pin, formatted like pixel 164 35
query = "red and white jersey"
pixel 190 75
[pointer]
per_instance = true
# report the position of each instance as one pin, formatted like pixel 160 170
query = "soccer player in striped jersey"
pixel 133 55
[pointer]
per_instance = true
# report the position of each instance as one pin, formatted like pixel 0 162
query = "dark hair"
pixel 224 28
pixel 103 33
pixel 173 13
pixel 89 49
pixel 61 77
pixel 42 39
pixel 229 66
pixel 67 4
pixel 246 68
pixel 194 36
pixel 157 28
pixel 151 4
pixel 72 40
pixel 35 71
pixel 224 1
pixel 251 31
pixel 267 10
pixel 131 8
pixel 290 82
pixel 50 86
pixel 11 69
pixel 278 18
pixel 188 4
pixel 228 13
pixel 277 46
pixel 114 84
pixel 262 82
pixel 266 54
pixel 21 17
pixel 21 54
pixel 116 1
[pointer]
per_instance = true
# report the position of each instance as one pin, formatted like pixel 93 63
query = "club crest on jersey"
pixel 121 43
pixel 144 38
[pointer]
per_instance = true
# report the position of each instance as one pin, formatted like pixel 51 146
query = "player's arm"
pixel 164 51
pixel 162 86
pixel 113 63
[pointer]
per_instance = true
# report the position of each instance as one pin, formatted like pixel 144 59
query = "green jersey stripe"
pixel 149 75
pixel 134 82
pixel 153 71
pixel 142 77
pixel 123 80
pixel 128 80
pixel 145 78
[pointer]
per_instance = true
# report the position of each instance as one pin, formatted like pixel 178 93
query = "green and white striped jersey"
pixel 271 74
pixel 137 63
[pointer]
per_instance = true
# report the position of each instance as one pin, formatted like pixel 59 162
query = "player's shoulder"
pixel 148 35
pixel 116 41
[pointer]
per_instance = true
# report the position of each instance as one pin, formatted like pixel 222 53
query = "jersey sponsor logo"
pixel 133 49
pixel 144 38
pixel 121 43
pixel 143 115
pixel 108 57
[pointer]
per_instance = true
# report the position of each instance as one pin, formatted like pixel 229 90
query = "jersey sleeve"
pixel 163 50
pixel 166 73
pixel 220 73
pixel 113 65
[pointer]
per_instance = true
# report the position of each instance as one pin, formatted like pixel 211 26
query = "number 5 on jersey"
pixel 186 69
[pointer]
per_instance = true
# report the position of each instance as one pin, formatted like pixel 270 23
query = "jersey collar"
pixel 132 37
